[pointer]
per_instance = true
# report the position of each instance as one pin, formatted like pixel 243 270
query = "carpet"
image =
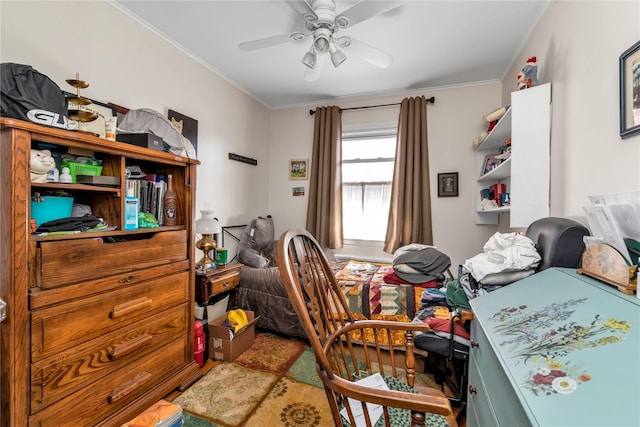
pixel 273 383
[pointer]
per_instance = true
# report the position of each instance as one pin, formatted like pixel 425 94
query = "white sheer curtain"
pixel 372 198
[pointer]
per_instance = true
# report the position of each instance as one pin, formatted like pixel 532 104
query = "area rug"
pixel 273 383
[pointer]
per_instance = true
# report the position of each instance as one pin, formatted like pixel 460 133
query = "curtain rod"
pixel 429 101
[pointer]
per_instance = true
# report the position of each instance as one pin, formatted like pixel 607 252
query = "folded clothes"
pixel 444 325
pixel 392 278
pixel 427 261
pixel 432 295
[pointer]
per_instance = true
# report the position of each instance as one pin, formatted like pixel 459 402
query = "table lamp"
pixel 207 226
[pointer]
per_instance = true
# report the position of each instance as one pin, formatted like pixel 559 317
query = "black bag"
pixel 29 95
pixel 74 223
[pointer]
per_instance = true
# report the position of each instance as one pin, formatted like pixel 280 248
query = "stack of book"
pixel 150 191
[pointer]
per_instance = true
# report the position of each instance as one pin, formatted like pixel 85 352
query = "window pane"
pixel 368 148
pixel 366 190
pixel 365 211
pixel 367 172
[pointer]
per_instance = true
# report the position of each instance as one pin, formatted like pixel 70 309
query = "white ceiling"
pixel 433 43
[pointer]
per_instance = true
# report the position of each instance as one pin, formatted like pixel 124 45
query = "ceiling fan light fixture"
pixel 322 41
pixel 321 44
pixel 309 59
pixel 337 56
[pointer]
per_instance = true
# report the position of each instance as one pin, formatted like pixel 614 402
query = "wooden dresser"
pixel 99 324
pixel 555 349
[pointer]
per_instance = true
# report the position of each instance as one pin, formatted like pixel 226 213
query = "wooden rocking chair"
pixel 348 350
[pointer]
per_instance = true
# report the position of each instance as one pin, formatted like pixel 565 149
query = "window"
pixel 367 171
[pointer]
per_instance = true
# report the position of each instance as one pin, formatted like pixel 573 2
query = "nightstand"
pixel 217 281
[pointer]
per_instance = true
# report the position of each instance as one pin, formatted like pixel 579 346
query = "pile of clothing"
pixel 419 265
pixel 506 258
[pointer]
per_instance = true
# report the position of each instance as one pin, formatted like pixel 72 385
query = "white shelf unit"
pixel 526 173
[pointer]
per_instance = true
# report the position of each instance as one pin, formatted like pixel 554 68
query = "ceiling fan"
pixel 323 24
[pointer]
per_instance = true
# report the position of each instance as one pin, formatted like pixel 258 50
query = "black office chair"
pixel 448 359
pixel 559 241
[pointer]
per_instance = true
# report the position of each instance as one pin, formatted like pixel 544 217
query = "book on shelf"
pixel 150 194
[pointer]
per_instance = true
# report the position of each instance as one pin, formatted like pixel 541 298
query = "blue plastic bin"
pixel 52 207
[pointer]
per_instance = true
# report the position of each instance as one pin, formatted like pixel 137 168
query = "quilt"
pixel 369 296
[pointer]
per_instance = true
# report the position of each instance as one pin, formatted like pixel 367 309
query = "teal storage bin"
pixel 51 207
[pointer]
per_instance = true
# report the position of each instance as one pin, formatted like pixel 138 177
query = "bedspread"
pixel 369 296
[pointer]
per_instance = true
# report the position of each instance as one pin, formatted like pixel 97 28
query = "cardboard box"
pixel 222 346
pixel 147 140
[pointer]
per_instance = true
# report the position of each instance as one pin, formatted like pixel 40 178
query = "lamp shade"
pixel 207 224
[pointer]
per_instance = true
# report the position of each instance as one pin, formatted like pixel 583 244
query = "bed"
pixel 262 292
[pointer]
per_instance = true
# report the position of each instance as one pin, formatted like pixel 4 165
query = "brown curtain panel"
pixel 324 212
pixel 410 210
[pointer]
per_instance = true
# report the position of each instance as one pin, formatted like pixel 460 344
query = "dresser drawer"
pixel 66 372
pixel 497 387
pixel 480 411
pixel 90 405
pixel 66 325
pixel 39 298
pixel 65 262
pixel 225 283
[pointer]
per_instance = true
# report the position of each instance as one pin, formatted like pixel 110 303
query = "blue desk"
pixel 555 349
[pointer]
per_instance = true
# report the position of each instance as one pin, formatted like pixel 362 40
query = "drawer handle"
pixel 130 306
pixel 472 389
pixel 226 284
pixel 130 346
pixel 474 344
pixel 129 279
pixel 128 387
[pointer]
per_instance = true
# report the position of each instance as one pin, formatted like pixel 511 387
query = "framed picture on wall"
pixel 448 184
pixel 630 91
pixel 298 168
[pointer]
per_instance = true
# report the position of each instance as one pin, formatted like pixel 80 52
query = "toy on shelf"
pixel 41 163
pixel 528 77
pixel 492 118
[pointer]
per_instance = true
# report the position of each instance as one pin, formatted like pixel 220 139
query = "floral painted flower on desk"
pixel 546 336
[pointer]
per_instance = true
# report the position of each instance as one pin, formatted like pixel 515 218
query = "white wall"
pixel 453 121
pixel 578 45
pixel 129 65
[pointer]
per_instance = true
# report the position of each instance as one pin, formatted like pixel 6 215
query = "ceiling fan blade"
pixel 301 7
pixel 311 75
pixel 367 52
pixel 365 10
pixel 271 41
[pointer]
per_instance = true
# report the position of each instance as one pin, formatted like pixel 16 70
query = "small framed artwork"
pixel 297 191
pixel 187 126
pixel 490 163
pixel 630 91
pixel 448 184
pixel 298 168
